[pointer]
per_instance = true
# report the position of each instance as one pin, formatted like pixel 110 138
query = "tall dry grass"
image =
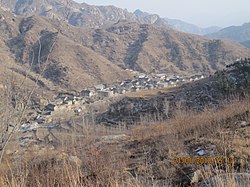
pixel 86 161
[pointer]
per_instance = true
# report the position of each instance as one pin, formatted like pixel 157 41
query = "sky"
pixel 202 13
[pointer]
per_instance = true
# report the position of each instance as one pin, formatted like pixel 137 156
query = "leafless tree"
pixel 17 103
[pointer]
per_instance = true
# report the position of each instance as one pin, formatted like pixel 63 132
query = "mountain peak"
pixel 139 12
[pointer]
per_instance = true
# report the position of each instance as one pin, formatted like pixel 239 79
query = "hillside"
pixel 95 96
pixel 234 33
pixel 83 15
pixel 85 56
pixel 179 145
pixel 153 49
pixel 70 65
pixel 12 72
pixel 179 24
pixel 246 43
pixel 191 28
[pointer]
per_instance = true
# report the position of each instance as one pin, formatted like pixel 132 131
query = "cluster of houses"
pixel 139 83
pixel 77 102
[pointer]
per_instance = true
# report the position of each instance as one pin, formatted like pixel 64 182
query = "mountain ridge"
pixel 181 25
pixel 239 34
pixel 77 14
pixel 84 15
pixel 191 28
pixel 84 56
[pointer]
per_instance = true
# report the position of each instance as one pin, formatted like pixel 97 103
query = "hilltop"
pixel 239 34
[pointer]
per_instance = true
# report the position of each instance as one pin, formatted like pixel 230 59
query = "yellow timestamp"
pixel 203 160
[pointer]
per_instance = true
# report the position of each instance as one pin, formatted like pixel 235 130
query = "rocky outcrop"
pixel 76 14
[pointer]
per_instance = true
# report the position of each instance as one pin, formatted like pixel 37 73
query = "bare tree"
pixel 16 104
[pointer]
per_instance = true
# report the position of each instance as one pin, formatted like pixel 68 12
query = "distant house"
pixel 114 90
pixel 149 86
pixel 142 76
pixel 40 120
pixel 134 89
pixel 197 77
pixel 121 91
pixel 161 76
pixel 104 93
pixel 87 93
pixel 134 82
pixel 51 107
pixel 163 84
pixel 127 85
pixel 172 82
pixel 100 87
pixel 127 81
pixel 66 95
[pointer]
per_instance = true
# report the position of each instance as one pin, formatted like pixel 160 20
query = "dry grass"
pixel 217 127
pixel 191 124
pixel 143 159
pixel 148 93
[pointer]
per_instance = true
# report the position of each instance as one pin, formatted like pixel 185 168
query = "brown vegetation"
pixel 83 57
pixel 138 155
pixel 142 156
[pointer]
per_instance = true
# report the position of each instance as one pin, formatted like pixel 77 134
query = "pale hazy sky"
pixel 200 12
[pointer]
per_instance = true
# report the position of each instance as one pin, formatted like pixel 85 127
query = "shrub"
pixel 236 77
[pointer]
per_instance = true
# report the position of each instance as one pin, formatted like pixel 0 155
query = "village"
pixel 75 104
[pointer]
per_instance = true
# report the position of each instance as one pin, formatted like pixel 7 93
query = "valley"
pixel 101 96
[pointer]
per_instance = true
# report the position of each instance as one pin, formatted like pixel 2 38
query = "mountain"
pixel 140 13
pixel 76 57
pixel 190 28
pixel 246 43
pixel 154 19
pixel 85 15
pixel 76 14
pixel 148 48
pixel 70 66
pixel 179 25
pixel 234 33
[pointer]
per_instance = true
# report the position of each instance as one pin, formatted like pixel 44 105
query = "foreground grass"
pixel 144 157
